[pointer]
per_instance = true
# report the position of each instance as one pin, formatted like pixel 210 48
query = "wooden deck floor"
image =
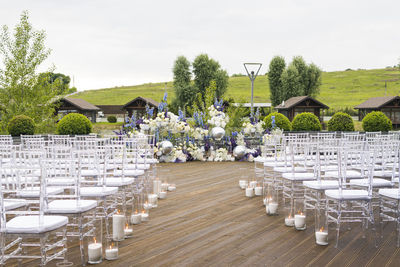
pixel 209 222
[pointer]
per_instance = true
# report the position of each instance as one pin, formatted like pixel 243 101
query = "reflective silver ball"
pixel 239 152
pixel 217 133
pixel 166 147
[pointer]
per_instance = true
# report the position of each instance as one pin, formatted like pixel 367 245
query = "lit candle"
pixel 243 184
pixel 128 231
pixel 118 227
pixel 163 194
pixel 111 253
pixel 95 251
pixel 164 186
pixel 147 206
pixel 258 191
pixel 249 192
pixel 171 188
pixel 145 216
pixel 300 221
pixel 136 218
pixel 153 200
pixel 289 221
pixel 321 237
pixel 253 184
pixel 272 208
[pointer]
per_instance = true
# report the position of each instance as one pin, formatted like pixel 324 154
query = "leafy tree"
pixel 205 70
pixel 313 81
pixel 184 90
pixel 291 85
pixel 276 67
pixel 23 91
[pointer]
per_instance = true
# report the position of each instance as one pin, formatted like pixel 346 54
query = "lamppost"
pixel 252 76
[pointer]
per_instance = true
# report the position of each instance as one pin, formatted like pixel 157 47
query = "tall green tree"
pixel 291 85
pixel 276 67
pixel 205 70
pixel 184 89
pixel 23 90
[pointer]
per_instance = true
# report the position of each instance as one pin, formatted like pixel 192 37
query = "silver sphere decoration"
pixel 239 152
pixel 166 147
pixel 217 133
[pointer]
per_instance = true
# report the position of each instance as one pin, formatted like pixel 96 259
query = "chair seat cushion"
pixel 90 173
pixel 276 164
pixel 298 176
pixel 347 194
pixel 376 182
pixel 34 192
pixel 350 174
pixel 98 191
pixel 289 169
pixel 30 224
pixel 321 185
pixel 71 206
pixel 140 166
pixel 11 204
pixel 61 181
pixel 119 181
pixel 385 174
pixel 261 159
pixel 129 173
pixel 390 192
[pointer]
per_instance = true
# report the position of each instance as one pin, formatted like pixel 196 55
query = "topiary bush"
pixel 341 122
pixel 306 121
pixel 281 121
pixel 21 124
pixel 73 124
pixel 112 119
pixel 376 121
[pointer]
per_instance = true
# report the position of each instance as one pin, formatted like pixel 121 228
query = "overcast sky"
pixel 113 43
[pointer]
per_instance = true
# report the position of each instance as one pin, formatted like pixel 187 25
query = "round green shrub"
pixel 306 121
pixel 112 119
pixel 281 121
pixel 21 124
pixel 376 121
pixel 74 123
pixel 341 121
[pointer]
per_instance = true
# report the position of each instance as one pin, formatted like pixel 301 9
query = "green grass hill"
pixel 339 89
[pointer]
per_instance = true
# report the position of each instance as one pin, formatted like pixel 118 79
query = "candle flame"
pixel 143 211
pixel 289 217
pixel 136 212
pixel 94 239
pixel 322 229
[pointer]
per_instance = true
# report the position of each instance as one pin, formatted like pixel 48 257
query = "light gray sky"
pixel 112 43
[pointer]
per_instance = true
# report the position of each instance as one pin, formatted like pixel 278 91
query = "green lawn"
pixel 339 89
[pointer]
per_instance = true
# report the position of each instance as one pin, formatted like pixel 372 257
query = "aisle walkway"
pixel 209 222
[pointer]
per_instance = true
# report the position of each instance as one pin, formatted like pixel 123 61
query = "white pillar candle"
pixel 258 190
pixel 321 237
pixel 147 206
pixel 118 227
pixel 163 194
pixel 249 192
pixel 128 232
pixel 289 221
pixel 164 186
pixel 153 200
pixel 272 208
pixel 171 188
pixel 111 253
pixel 136 218
pixel 156 186
pixel 95 251
pixel 253 184
pixel 243 184
pixel 145 217
pixel 299 221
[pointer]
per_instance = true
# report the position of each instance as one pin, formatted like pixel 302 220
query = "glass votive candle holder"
pixel 111 251
pixel 95 252
pixel 171 187
pixel 128 231
pixel 145 215
pixel 118 225
pixel 271 206
pixel 300 215
pixel 289 216
pixel 321 228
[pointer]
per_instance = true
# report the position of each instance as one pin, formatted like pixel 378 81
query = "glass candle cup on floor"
pixel 300 215
pixel 95 251
pixel 321 228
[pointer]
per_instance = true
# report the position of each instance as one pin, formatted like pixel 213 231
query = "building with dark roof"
pixel 75 105
pixel 299 104
pixel 389 105
pixel 138 106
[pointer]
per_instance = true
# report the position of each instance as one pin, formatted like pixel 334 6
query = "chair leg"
pixel 372 221
pixel 43 254
pixel 2 245
pixel 339 214
pixel 81 245
pixel 398 223
pixel 380 219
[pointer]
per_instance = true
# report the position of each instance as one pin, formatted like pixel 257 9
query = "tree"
pixel 184 90
pixel 62 82
pixel 205 70
pixel 23 91
pixel 291 85
pixel 276 67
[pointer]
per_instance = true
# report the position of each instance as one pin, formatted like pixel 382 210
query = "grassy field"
pixel 339 89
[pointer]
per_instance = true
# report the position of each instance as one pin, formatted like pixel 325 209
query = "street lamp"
pixel 252 77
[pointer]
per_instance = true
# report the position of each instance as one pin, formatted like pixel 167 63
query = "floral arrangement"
pixel 217 116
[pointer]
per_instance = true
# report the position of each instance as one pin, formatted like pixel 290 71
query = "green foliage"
pixel 291 85
pixel 236 114
pixel 21 124
pixel 185 92
pixel 281 121
pixel 341 122
pixel 276 68
pixel 112 119
pixel 376 121
pixel 306 121
pixel 348 110
pixel 205 70
pixel 60 81
pixel 73 124
pixel 23 90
